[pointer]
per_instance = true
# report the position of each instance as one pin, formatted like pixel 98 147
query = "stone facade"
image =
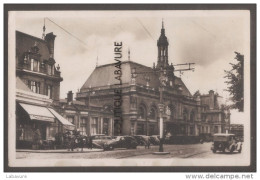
pixel 143 89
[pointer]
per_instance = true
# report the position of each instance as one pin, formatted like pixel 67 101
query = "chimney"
pixel 211 99
pixel 69 97
pixel 49 38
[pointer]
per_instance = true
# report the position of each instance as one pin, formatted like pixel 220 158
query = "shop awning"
pixel 63 121
pixel 38 112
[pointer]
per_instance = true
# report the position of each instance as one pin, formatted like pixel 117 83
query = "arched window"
pixel 141 112
pixel 153 113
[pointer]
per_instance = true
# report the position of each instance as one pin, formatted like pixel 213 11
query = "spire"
pixel 163 30
pixel 43 33
pixel 162 24
pixel 162 45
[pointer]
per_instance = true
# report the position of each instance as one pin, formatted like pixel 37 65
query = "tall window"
pixel 185 114
pixel 34 86
pixel 192 116
pixel 152 129
pixel 35 65
pixel 191 130
pixel 141 112
pixel 153 113
pixel 50 69
pixel 83 125
pixel 94 125
pixel 215 129
pixel 105 126
pixel 49 91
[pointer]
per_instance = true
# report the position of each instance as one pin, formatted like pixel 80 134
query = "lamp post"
pixel 163 83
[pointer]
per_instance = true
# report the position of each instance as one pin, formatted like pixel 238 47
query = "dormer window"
pixel 35 65
pixel 50 69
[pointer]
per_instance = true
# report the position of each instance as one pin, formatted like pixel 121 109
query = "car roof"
pixel 223 134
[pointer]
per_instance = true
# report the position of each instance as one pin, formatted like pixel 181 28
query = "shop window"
pixel 53 130
pixel 94 125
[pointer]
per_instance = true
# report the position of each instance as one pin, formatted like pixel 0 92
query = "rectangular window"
pixel 34 86
pixel 94 125
pixel 105 126
pixel 83 126
pixel 49 69
pixel 35 65
pixel 31 64
pixel 49 91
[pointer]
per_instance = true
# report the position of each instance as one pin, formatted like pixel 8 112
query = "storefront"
pixel 36 121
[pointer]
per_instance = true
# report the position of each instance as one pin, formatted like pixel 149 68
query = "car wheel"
pixel 232 149
pixel 214 150
pixel 239 151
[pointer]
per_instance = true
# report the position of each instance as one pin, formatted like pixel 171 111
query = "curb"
pixel 58 151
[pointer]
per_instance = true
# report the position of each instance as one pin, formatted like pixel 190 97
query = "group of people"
pixel 73 139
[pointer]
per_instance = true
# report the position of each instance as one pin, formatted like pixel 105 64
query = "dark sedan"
pixel 123 142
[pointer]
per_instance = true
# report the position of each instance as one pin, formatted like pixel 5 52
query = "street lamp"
pixel 163 81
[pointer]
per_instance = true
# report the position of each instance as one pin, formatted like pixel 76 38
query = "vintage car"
pixel 154 139
pixel 226 142
pixel 142 140
pixel 102 141
pixel 122 142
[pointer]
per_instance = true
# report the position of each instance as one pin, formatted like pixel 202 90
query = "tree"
pixel 235 82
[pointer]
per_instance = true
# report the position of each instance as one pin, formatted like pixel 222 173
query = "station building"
pixel 184 114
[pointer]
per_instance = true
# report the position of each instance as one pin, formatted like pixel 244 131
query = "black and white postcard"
pixel 131 86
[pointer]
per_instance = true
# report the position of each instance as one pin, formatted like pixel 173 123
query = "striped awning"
pixel 63 121
pixel 38 112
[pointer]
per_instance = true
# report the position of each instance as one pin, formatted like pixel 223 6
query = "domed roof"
pixel 162 40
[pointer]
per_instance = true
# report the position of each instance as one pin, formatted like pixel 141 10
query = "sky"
pixel 206 38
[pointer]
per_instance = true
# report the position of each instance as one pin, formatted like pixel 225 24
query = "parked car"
pixel 141 140
pixel 226 142
pixel 154 139
pixel 102 141
pixel 122 142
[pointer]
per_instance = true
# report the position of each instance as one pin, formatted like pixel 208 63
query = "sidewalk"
pixel 78 150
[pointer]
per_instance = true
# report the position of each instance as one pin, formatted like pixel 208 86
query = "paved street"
pixel 176 151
